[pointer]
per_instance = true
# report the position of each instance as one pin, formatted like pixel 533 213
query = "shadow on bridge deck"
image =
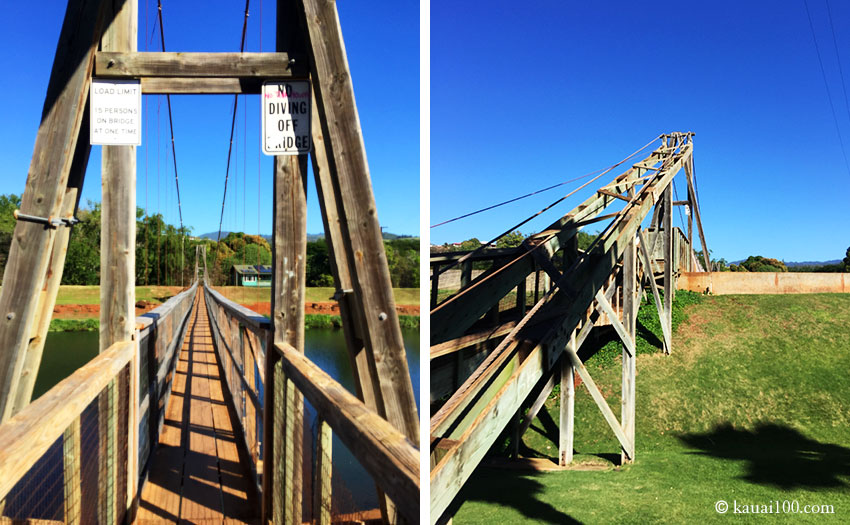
pixel 197 473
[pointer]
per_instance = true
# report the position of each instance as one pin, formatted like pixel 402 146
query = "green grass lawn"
pixel 69 294
pixel 72 294
pixel 753 406
pixel 407 296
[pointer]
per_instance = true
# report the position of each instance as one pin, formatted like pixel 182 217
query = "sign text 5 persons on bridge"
pixel 286 117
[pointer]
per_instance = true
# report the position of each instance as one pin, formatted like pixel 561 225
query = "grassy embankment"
pixel 87 295
pixel 753 406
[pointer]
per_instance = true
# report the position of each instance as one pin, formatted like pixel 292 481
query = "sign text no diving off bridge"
pixel 286 117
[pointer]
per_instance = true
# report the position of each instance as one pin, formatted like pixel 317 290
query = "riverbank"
pixel 77 307
pixel 311 321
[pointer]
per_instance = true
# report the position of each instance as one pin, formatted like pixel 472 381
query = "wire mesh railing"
pixel 303 483
pixel 63 458
pixel 79 453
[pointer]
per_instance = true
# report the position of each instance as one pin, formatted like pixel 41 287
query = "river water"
pixel 64 352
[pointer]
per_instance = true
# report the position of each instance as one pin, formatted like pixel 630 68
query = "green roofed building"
pixel 255 275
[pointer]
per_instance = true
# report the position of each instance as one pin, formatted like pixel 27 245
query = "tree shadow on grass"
pixel 777 455
pixel 510 489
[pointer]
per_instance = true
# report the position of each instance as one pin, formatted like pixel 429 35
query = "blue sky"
pixel 383 52
pixel 524 97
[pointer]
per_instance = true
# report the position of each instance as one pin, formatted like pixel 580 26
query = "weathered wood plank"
pixel 115 64
pixel 71 472
pixel 629 359
pixel 44 314
pixel 323 469
pixel 667 232
pixel 370 275
pixel 30 250
pixel 117 264
pixel 566 412
pixel 389 456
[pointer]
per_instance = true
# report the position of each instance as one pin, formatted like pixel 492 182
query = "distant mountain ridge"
pixel 793 264
pixel 311 237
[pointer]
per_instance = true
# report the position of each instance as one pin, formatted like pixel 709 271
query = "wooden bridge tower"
pixel 98 39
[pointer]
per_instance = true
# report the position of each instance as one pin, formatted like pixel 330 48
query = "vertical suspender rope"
pixel 230 147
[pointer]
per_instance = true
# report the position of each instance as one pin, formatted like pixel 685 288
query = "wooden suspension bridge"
pixel 496 359
pixel 193 413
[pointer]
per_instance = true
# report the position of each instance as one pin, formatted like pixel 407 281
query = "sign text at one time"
pixel 286 118
pixel 116 112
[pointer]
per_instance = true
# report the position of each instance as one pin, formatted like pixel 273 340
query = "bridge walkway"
pixel 198 473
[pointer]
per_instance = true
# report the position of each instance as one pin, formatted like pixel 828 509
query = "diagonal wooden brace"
pixel 615 322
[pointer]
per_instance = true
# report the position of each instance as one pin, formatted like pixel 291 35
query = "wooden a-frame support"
pixel 98 39
pixel 535 355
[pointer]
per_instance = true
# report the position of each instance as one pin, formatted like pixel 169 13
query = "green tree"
pixel 847 260
pixel 8 204
pixel 510 240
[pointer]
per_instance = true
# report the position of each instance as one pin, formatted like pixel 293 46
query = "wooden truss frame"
pixel 541 347
pixel 98 39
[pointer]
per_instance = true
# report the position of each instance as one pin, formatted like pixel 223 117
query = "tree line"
pixel 165 254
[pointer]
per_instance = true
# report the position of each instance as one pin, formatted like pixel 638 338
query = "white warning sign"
pixel 116 112
pixel 286 117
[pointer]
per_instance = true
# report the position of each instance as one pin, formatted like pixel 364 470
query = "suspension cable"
pixel 230 147
pixel 826 84
pixel 173 148
pixel 516 198
pixel 547 208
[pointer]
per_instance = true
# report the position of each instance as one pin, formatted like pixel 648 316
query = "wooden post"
pixel 627 414
pixel 323 473
pixel 465 273
pixel 520 297
pixel 667 227
pixel 72 478
pixel 567 410
pixel 47 180
pixel 117 263
pixel 371 293
pixel 44 313
pixel 282 486
pixel 435 286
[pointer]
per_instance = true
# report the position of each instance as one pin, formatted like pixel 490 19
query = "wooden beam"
pixel 29 434
pixel 200 86
pixel 333 217
pixel 647 261
pixel 566 426
pixel 323 471
pixel 55 268
pixel 629 359
pixel 667 232
pixel 388 455
pixel 615 322
pixel 191 65
pixel 370 273
pixel 30 250
pixel 72 479
pixel 538 403
pixel 706 255
pixel 117 266
pixel 612 194
pixel 289 260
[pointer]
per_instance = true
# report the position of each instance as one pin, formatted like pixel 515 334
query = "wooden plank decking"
pixel 196 474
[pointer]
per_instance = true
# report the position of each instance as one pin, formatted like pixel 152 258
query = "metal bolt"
pixel 382 316
pixel 10 315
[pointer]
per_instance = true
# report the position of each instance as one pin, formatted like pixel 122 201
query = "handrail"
pixel 246 315
pixel 30 433
pixel 386 453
